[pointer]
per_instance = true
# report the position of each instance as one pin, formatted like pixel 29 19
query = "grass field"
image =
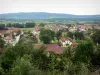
pixel 27 29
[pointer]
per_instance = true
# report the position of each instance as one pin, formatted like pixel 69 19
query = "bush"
pixel 12 53
pixel 84 51
pixel 22 66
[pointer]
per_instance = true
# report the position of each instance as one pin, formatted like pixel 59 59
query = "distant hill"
pixel 44 15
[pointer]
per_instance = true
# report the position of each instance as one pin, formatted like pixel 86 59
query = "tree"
pixel 9 25
pixel 96 36
pixel 2 26
pixel 1 71
pixel 18 25
pixel 42 24
pixel 29 24
pixel 47 35
pixel 22 66
pixel 69 25
pixel 95 59
pixel 84 51
pixel 13 52
pixel 46 39
pixel 2 43
pixel 70 34
pixel 79 35
pixel 42 59
pixel 58 35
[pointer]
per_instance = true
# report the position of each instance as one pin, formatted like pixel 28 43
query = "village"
pixel 61 40
pixel 49 37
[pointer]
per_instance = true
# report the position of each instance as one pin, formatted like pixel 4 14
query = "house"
pixel 12 37
pixel 75 44
pixel 51 48
pixel 97 27
pixel 14 29
pixel 12 40
pixel 83 28
pixel 2 32
pixel 65 41
pixel 1 35
pixel 34 32
pixel 47 26
pixel 8 39
pixel 55 28
pixel 38 28
pixel 65 27
pixel 72 29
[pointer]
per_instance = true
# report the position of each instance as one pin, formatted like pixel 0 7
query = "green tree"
pixel 18 25
pixel 42 24
pixel 46 39
pixel 1 71
pixel 58 35
pixel 9 25
pixel 2 26
pixel 2 43
pixel 40 59
pixel 96 36
pixel 29 24
pixel 12 53
pixel 84 51
pixel 22 66
pixel 47 35
pixel 95 59
pixel 76 35
pixel 70 34
pixel 79 35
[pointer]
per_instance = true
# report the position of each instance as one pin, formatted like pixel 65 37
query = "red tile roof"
pixel 84 26
pixel 38 27
pixel 3 31
pixel 52 47
pixel 64 26
pixel 64 39
pixel 75 44
pixel 15 29
pixel 8 38
pixel 96 27
pixel 55 27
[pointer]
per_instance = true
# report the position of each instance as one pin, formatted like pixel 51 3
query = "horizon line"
pixel 47 12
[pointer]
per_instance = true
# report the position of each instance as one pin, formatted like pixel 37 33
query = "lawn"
pixel 27 29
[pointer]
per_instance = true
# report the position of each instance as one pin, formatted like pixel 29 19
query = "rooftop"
pixel 52 48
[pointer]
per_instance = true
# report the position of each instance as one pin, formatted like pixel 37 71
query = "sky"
pixel 76 7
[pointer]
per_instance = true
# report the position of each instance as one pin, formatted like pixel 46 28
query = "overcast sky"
pixel 77 7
